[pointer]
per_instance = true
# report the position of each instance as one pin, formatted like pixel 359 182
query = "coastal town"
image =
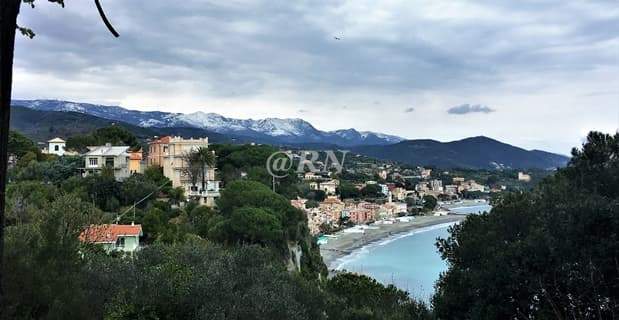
pixel 367 191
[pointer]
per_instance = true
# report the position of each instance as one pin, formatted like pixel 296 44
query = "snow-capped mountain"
pixel 271 129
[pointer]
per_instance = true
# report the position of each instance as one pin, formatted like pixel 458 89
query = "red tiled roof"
pixel 165 139
pixel 109 233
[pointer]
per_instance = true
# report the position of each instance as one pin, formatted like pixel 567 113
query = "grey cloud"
pixel 409 110
pixel 468 108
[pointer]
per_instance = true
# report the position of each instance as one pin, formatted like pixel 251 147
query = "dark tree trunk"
pixel 9 9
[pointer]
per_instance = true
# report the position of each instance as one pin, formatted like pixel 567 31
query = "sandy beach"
pixel 345 243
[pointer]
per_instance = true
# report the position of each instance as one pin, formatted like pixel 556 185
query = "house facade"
pixel 114 237
pixel 55 146
pixel 115 158
pixel 169 152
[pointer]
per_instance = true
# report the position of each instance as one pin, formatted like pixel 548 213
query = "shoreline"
pixel 346 243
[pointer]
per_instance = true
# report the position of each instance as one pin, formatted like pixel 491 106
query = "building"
pixel 384 189
pixel 55 146
pixel 382 174
pixel 399 193
pixel 457 180
pixel 524 177
pixel 425 173
pixel 436 185
pixel 169 153
pixel 329 187
pixel 451 189
pixel 135 162
pixel 115 158
pixel 332 207
pixel 114 237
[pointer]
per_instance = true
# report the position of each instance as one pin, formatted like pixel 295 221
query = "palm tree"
pixel 206 159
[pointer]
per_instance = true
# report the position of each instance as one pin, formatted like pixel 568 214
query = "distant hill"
pixel 474 153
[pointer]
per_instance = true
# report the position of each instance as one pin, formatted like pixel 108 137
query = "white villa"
pixel 115 158
pixel 55 146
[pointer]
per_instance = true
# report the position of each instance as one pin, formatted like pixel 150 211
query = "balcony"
pixel 211 191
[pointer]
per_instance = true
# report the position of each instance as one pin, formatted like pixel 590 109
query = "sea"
pixel 410 261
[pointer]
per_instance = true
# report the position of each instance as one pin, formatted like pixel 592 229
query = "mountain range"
pixel 44 119
pixel 270 130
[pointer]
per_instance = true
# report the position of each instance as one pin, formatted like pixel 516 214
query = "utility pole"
pixel 9 9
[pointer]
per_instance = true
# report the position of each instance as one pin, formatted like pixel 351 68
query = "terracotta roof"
pixel 165 139
pixel 109 233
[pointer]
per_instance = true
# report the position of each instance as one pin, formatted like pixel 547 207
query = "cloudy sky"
pixel 538 74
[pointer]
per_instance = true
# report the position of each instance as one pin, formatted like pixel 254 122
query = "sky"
pixel 536 74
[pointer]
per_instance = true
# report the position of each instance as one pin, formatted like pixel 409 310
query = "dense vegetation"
pixel 547 254
pixel 234 262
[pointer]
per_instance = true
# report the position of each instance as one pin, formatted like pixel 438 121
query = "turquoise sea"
pixel 410 261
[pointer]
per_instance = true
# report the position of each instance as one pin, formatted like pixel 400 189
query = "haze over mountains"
pixel 42 119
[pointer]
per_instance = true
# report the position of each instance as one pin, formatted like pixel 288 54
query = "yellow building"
pixel 169 152
pixel 135 161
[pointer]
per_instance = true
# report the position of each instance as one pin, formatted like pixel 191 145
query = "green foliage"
pixel 372 191
pixel 252 194
pixel 348 191
pixel 235 160
pixel 42 274
pixel 200 281
pixel 361 297
pixel 429 202
pixel 136 188
pixel 550 253
pixel 19 144
pixel 54 171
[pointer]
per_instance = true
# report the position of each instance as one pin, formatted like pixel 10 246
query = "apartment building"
pixel 169 153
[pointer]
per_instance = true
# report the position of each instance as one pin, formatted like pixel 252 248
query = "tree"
pixel 548 253
pixel 9 10
pixel 372 191
pixel 116 135
pixel 348 191
pixel 429 202
pixel 361 297
pixel 19 144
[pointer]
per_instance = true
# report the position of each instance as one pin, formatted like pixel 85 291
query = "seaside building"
pixel 436 185
pixel 332 207
pixel 457 180
pixel 169 152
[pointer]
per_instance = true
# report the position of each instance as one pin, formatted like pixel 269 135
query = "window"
pixel 93 162
pixel 120 242
pixel 56 148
